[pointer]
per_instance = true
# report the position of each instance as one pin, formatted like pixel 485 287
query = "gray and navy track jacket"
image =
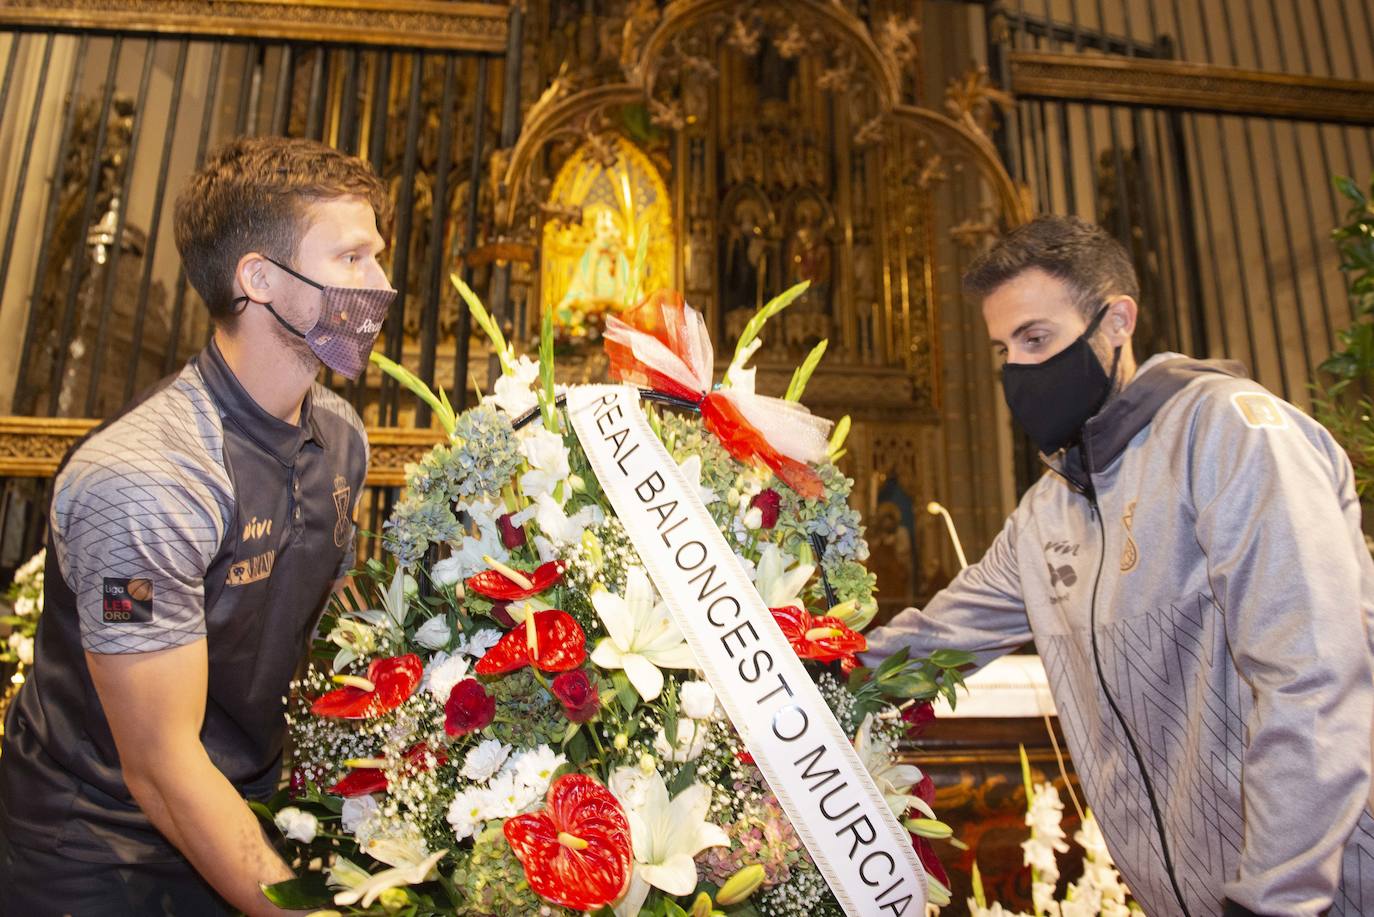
pixel 1196 582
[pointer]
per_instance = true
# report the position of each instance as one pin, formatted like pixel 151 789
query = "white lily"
pixel 558 525
pixel 548 461
pixel 370 889
pixel 667 834
pixel 691 470
pixel 893 779
pixel 642 636
pixel 469 555
pixel 777 584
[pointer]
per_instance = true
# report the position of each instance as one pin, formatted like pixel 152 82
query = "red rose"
pixel 577 693
pixel 512 535
pixel 769 502
pixel 469 708
pixel 917 717
pixel 500 613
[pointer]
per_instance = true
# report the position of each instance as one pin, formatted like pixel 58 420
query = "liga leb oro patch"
pixel 126 601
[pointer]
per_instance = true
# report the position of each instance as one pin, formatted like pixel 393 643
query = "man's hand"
pixel 155 705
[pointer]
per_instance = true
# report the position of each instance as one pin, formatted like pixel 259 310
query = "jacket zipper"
pixel 1091 494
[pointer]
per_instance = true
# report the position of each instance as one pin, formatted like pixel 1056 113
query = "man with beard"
pixel 194 540
pixel 1194 576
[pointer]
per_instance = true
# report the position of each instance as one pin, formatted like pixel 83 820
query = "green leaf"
pixel 803 372
pixel 951 659
pixel 416 385
pixel 262 811
pixel 755 325
pixel 624 691
pixel 685 777
pixel 305 893
pixel 484 320
pixel 1347 187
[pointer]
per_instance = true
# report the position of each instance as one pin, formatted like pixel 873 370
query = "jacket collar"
pixel 282 440
pixel 1107 433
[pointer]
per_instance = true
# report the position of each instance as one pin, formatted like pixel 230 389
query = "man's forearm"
pixel 200 812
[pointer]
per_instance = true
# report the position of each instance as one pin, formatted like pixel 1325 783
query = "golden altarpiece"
pixel 748 147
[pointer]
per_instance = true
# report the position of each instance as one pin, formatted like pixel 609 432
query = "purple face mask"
pixel 350 320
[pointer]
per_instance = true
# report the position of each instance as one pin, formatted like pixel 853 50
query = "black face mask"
pixel 1054 399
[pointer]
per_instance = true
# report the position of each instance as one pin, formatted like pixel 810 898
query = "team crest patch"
pixel 243 572
pixel 1259 410
pixel 343 525
pixel 126 601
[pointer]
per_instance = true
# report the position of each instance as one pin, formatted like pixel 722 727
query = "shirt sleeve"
pixel 134 538
pixel 981 611
pixel 1278 521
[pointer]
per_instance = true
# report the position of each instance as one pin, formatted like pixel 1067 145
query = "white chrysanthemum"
pixel 484 760
pixel 443 673
pixel 535 768
pixel 297 824
pixel 465 812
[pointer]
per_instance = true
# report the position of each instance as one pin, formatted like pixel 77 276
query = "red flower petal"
pixel 360 781
pixel 584 879
pixel 393 680
pixel 363 781
pixel 926 852
pixel 496 585
pixel 559 639
pixel 796 623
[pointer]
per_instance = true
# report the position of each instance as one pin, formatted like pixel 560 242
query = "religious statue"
pixel 600 283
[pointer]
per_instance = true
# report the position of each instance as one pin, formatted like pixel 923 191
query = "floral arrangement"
pixel 1099 893
pixel 507 720
pixel 25 597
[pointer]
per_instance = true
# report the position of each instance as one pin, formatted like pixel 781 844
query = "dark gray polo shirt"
pixel 194 515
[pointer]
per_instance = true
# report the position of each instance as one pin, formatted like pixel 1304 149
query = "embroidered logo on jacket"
pixel 126 601
pixel 343 526
pixel 1130 554
pixel 1259 410
pixel 243 572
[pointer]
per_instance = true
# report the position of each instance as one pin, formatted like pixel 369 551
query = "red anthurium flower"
pixel 577 693
pixel 393 681
pixel 362 781
pixel 769 503
pixel 496 585
pixel 469 708
pixel 559 645
pixel 576 852
pixel 823 639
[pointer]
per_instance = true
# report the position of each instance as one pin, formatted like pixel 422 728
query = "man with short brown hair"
pixel 1195 579
pixel 194 541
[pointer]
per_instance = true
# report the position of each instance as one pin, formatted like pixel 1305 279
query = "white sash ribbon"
pixel 857 843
